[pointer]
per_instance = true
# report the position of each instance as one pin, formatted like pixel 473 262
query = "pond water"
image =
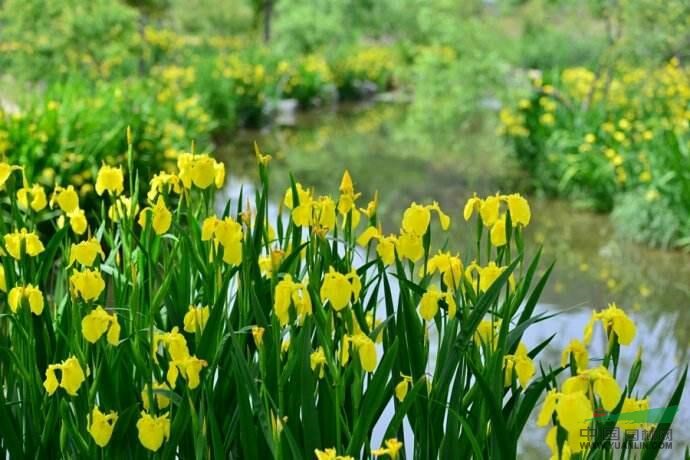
pixel 387 153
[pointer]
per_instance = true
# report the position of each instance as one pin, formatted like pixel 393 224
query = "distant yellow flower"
pixel 153 430
pixel 78 222
pixel 200 170
pixel 489 210
pixel 87 284
pixel 260 157
pixel 3 280
pixel 372 206
pixel 474 204
pixel 29 240
pixel 330 454
pixel 409 246
pixel 31 294
pixel 195 319
pixel 122 208
pixel 66 198
pixel 174 343
pixel 578 351
pixel 317 360
pixel 348 198
pixel 428 305
pixel 5 172
pixel 520 213
pixel 488 275
pixel 547 119
pixel 110 179
pixel 287 292
pixel 339 290
pixel 161 182
pixel 402 387
pixel 101 426
pixel 226 232
pixel 162 217
pixel 189 367
pixel 71 378
pixel 615 321
pixel 258 335
pixel 158 390
pixel 385 247
pixel 416 218
pixel 85 252
pixel 34 196
pixel 97 322
pixel 498 232
pixel 487 332
pixel 366 349
pixel 519 363
pixel 303 195
pixel 392 449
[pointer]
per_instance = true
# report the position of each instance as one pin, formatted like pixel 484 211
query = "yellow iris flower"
pixel 579 352
pixel 85 252
pixel 226 233
pixel 71 378
pixel 153 430
pixel 258 335
pixel 417 217
pixel 189 367
pixel 200 170
pixel 615 321
pixel 403 387
pixel 5 172
pixel 67 199
pixel 31 294
pixel 78 222
pixel 449 266
pixel 392 449
pixel 339 290
pixel 162 217
pixel 110 179
pixel 602 384
pixel 174 343
pixel 428 304
pixel 34 197
pixel 123 208
pixel 330 454
pixel 519 363
pixel 317 361
pixel 195 319
pixel 87 284
pixel 158 390
pixel 366 349
pixel 498 232
pixel 29 241
pixel 97 322
pixel 288 291
pixel 101 426
pixel 385 247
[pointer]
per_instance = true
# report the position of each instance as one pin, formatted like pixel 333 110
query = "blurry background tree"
pixel 646 30
pixel 57 36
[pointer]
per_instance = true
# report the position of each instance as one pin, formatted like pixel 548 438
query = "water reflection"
pixel 593 266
